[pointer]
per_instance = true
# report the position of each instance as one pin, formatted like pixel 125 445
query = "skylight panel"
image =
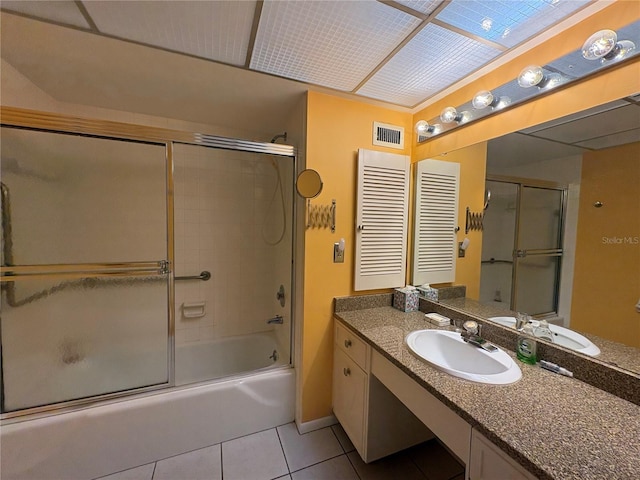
pixel 507 22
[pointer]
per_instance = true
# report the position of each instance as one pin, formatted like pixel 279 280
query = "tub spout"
pixel 276 319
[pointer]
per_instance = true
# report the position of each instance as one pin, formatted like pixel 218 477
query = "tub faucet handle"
pixel 277 319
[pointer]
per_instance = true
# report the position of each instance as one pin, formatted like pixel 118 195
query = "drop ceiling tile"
pixel 507 22
pixel 217 30
pixel 65 12
pixel 333 44
pixel 602 124
pixel 422 6
pixel 419 70
pixel 608 141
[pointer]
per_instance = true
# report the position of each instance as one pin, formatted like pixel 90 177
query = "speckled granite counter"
pixel 556 427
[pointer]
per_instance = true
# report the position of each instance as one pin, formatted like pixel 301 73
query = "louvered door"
pixel 381 220
pixel 436 217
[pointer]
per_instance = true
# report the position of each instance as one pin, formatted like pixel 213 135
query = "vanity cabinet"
pixel 488 462
pixel 377 423
pixel 383 410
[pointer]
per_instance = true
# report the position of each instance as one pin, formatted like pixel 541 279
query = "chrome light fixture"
pixel 484 99
pixel 451 115
pixel 423 128
pixel 604 45
pixel 531 76
pixel 534 76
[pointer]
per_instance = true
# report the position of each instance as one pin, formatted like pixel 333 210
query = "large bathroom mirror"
pixel 591 158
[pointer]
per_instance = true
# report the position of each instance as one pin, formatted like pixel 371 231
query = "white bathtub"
pixel 98 440
pixel 202 361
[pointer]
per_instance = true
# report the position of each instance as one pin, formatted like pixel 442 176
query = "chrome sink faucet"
pixel 471 335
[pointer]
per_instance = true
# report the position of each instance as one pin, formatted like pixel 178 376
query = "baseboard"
pixel 307 427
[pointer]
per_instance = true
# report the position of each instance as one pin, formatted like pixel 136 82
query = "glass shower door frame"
pixel 66 124
pixel 520 253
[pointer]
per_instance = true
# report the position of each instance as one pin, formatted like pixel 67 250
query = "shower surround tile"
pixel 225 217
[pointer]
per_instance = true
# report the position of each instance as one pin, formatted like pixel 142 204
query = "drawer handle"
pixel 346 371
pixel 347 343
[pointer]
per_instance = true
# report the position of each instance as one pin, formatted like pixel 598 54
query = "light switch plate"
pixel 338 255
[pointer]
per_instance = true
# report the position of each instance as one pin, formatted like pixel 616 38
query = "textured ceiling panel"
pixel 65 12
pixel 334 44
pixel 420 70
pixel 422 6
pixel 215 30
pixel 604 124
pixel 507 22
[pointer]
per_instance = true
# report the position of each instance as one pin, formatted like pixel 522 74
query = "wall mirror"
pixel 593 156
pixel 309 183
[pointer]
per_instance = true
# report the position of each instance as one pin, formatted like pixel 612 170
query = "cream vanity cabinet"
pixel 377 423
pixel 383 410
pixel 488 462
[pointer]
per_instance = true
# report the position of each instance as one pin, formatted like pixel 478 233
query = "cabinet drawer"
pixel 349 343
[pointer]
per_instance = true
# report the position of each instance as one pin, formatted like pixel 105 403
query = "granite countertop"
pixel 555 426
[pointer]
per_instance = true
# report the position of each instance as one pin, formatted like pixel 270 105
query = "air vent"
pixel 385 135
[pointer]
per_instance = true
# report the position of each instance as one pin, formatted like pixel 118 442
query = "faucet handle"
pixel 471 327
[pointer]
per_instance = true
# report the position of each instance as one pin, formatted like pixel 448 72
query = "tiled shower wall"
pixel 228 220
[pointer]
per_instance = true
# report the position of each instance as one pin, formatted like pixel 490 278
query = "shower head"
pixel 282 136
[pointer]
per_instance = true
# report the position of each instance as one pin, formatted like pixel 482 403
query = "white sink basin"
pixel 448 352
pixel 561 336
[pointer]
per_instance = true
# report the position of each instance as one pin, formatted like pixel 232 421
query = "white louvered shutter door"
pixel 381 220
pixel 436 217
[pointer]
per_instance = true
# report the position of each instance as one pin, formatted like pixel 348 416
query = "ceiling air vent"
pixel 385 135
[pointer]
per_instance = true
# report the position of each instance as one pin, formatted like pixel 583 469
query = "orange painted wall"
pixel 608 246
pixel 336 129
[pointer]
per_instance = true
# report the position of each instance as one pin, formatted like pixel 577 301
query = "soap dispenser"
pixel 526 348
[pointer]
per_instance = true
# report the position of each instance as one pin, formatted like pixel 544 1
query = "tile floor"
pixel 282 453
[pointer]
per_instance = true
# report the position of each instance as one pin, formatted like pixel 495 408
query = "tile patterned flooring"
pixel 284 454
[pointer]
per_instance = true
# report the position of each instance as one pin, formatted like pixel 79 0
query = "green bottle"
pixel 526 348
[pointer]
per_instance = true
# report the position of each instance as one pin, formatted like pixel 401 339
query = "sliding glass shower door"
pixel 522 246
pixel 85 288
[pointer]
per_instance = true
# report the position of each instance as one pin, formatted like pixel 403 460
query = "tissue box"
pixel 428 292
pixel 405 299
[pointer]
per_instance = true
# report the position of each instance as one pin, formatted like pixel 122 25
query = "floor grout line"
pixel 284 454
pixel 353 466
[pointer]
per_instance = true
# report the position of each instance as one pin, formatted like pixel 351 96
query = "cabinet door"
pixel 382 218
pixel 349 388
pixel 488 462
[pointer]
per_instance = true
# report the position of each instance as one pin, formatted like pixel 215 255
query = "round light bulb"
pixel 483 99
pixel 621 50
pixel 449 115
pixel 530 76
pixel 599 44
pixel 422 127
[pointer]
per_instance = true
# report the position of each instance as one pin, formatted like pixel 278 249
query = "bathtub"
pixel 202 361
pixel 98 440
